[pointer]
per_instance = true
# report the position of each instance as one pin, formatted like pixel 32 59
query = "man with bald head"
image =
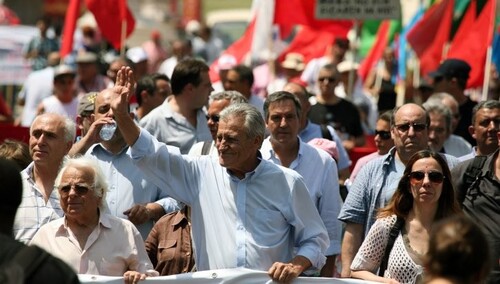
pixel 130 195
pixel 51 137
pixel 377 181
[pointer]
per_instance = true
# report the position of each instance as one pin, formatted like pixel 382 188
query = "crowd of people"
pixel 147 167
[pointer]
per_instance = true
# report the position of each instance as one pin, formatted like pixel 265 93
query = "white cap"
pixel 294 61
pixel 137 54
pixel 226 62
pixel 347 65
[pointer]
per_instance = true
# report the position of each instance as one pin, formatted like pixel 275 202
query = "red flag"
pixel 467 21
pixel 109 15
pixel 288 13
pixel 472 47
pixel 69 27
pixel 375 53
pixel 430 35
pixel 309 42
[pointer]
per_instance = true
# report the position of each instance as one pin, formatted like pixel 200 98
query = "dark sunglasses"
pixel 330 79
pixel 215 118
pixel 79 189
pixel 417 127
pixel 384 135
pixel 418 176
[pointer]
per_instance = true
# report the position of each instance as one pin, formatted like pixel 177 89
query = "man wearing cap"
pixel 333 55
pixel 224 64
pixel 130 195
pixel 451 77
pixel 87 138
pixel 139 58
pixel 180 121
pixel 292 67
pixel 88 78
pixel 64 100
pixel 283 147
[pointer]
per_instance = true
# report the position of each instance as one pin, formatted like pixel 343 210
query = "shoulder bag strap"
pixel 392 237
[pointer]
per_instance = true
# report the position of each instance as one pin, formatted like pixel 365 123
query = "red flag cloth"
pixel 238 49
pixel 69 27
pixel 430 35
pixel 108 15
pixel 467 21
pixel 375 53
pixel 473 46
pixel 288 13
pixel 309 42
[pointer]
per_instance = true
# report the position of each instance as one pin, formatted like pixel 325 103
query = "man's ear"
pixel 472 131
pixel 144 96
pixel 79 121
pixel 92 118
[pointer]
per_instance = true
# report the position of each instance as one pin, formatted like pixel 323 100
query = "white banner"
pixel 358 9
pixel 225 276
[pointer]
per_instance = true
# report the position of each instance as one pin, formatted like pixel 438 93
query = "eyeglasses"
pixel 330 79
pixel 79 189
pixel 417 127
pixel 215 118
pixel 417 177
pixel 384 135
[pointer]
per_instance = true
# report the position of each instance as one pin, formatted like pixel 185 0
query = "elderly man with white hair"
pixel 86 238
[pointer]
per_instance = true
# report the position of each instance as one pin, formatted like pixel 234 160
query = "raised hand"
pixel 123 89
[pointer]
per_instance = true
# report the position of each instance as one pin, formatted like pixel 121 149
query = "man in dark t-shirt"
pixel 340 113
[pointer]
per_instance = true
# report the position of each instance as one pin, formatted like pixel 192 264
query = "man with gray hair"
pixel 454 145
pixel 240 203
pixel 51 137
pixel 217 102
pixel 484 128
pixel 440 125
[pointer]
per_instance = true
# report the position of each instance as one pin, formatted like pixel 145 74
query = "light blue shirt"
pixel 456 146
pixel 174 129
pixel 128 186
pixel 470 155
pixel 373 187
pixel 252 222
pixel 319 171
pixel 313 130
